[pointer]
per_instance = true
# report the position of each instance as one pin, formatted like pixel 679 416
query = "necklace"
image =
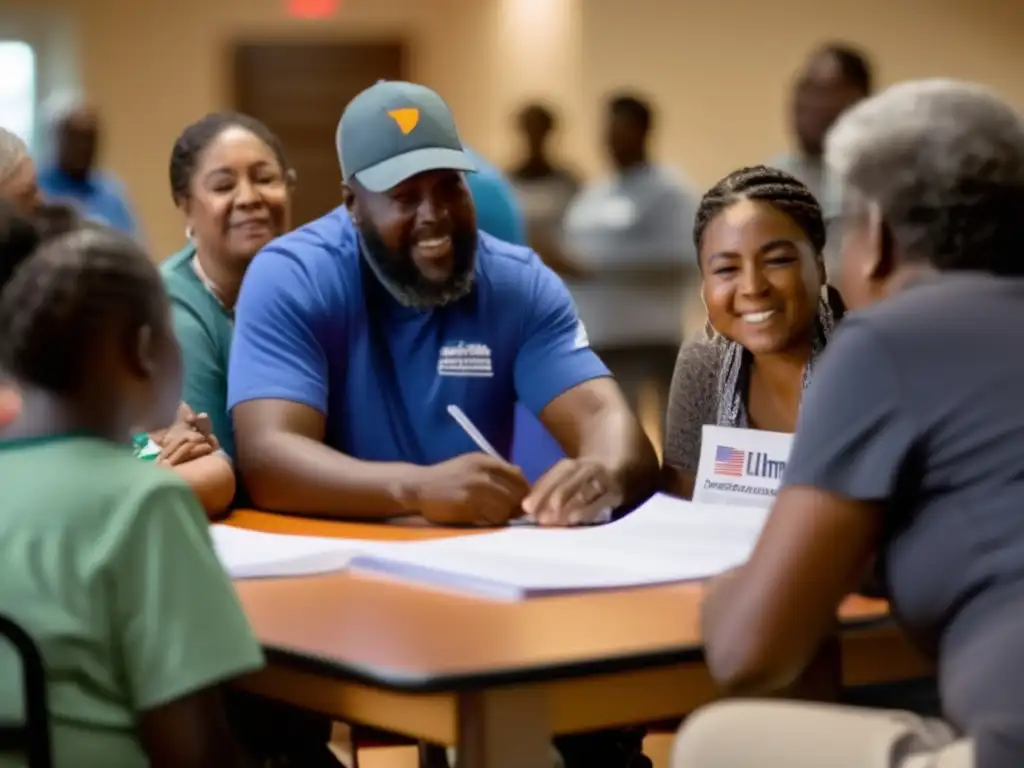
pixel 211 286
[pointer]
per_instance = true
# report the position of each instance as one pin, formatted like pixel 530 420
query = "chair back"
pixel 31 737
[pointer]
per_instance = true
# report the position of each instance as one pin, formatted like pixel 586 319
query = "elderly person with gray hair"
pixel 71 176
pixel 18 184
pixel 909 452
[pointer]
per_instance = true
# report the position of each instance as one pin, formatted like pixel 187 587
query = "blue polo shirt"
pixel 99 198
pixel 314 326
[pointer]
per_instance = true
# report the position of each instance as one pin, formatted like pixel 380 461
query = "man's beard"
pixel 397 272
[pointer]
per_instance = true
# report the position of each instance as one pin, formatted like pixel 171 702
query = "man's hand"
pixel 472 489
pixel 573 492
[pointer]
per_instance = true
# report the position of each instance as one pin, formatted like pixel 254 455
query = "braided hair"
pixel 65 285
pixel 777 188
pixel 196 137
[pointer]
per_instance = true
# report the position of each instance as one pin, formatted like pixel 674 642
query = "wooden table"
pixel 498 679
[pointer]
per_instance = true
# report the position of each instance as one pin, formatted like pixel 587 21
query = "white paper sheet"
pixel 664 541
pixel 249 554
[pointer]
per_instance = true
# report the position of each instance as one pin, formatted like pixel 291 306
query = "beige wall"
pixel 717 70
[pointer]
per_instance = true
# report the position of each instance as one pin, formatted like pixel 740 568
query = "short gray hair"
pixel 944 160
pixel 13 151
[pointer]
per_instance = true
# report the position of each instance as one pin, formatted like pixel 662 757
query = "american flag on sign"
pixel 729 461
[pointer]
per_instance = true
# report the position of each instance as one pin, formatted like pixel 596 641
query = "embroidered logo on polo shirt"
pixel 464 359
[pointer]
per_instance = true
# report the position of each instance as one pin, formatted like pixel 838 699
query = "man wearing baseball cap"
pixel 357 333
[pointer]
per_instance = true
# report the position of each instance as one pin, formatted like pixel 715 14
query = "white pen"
pixel 481 442
pixel 474 434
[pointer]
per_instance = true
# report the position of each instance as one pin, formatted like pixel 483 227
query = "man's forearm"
pixel 618 441
pixel 291 473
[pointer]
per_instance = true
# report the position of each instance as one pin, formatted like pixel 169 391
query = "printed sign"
pixel 740 466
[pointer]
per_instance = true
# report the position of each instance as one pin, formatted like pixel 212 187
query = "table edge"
pixel 459 682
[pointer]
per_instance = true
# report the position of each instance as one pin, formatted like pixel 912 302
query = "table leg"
pixel 504 728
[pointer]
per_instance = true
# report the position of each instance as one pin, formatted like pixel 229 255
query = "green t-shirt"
pixel 113 573
pixel 204 329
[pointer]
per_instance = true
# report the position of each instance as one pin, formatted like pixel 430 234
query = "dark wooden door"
pixel 299 90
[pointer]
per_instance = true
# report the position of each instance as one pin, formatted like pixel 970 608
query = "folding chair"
pixel 32 736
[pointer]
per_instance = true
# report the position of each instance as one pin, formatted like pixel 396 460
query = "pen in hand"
pixel 477 437
pixel 474 434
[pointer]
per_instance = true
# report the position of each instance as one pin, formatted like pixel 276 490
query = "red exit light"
pixel 312 9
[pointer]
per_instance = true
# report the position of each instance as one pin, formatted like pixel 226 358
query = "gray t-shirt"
pixel 813 173
pixel 916 403
pixel 633 233
pixel 545 200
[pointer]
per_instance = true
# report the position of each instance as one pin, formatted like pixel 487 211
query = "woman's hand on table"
pixel 189 437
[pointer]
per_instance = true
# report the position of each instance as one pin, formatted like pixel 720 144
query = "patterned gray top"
pixel 693 401
pixel 709 386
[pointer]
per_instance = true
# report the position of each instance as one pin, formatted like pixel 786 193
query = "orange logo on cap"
pixel 407 119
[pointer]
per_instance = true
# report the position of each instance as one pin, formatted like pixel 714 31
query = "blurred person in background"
pixel 498 212
pixel 70 174
pixel 834 78
pixel 18 181
pixel 629 238
pixel 545 188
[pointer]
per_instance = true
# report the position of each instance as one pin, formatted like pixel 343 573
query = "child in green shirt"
pixel 106 560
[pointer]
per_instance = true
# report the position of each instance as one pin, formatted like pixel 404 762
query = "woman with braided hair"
pixel 105 560
pixel 759 235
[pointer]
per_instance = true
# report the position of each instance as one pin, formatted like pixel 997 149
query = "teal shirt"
pixel 204 329
pixel 120 588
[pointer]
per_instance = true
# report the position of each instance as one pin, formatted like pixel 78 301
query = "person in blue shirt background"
pixel 71 176
pixel 499 214
pixel 355 333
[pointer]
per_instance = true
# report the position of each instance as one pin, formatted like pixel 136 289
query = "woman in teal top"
pixel 232 183
pixel 105 560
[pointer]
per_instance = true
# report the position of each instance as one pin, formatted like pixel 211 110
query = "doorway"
pixel 299 90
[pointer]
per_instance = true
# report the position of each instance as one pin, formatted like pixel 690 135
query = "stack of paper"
pixel 249 554
pixel 664 541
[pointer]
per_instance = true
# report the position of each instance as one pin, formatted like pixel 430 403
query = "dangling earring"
pixel 189 233
pixel 709 329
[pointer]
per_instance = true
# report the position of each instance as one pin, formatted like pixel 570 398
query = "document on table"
pixel 249 554
pixel 666 540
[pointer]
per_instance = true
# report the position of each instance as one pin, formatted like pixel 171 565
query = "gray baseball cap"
pixel 394 130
